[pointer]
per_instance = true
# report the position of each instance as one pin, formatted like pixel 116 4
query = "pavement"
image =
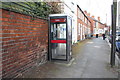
pixel 91 59
pixel 117 59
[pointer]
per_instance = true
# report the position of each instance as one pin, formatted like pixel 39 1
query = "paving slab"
pixel 91 60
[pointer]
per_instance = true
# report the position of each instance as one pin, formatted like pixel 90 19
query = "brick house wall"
pixel 92 24
pixel 79 25
pixel 24 43
pixel 0 47
pixel 101 26
pixel 83 25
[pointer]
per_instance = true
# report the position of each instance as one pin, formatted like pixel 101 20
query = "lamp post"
pixel 113 50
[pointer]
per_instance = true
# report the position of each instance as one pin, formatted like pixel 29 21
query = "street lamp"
pixel 113 50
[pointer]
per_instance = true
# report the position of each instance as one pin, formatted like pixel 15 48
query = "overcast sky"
pixel 97 8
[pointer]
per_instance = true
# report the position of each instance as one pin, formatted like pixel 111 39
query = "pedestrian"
pixel 103 36
pixel 96 35
pixel 85 36
pixel 91 35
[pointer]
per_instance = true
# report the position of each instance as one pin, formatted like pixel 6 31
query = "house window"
pixel 79 29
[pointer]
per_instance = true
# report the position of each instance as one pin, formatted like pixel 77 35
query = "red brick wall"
pixel 24 41
pixel 0 46
pixel 92 24
pixel 84 23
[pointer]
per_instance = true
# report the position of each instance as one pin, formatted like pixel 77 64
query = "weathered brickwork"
pixel 83 25
pixel 24 42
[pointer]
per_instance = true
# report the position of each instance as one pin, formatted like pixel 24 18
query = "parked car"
pixel 117 37
pixel 117 45
pixel 118 42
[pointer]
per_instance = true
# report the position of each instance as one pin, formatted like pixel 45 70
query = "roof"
pixel 83 13
pixel 95 20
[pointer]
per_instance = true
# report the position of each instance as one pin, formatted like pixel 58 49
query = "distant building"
pixel 97 27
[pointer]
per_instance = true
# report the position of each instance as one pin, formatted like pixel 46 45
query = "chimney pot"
pixel 98 18
pixel 93 16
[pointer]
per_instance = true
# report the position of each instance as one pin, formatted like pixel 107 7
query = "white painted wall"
pixel 70 7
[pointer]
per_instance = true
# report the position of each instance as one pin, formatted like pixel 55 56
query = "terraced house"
pixel 83 25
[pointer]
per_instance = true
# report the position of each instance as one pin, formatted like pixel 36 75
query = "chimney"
pixel 85 12
pixel 88 14
pixel 93 16
pixel 98 18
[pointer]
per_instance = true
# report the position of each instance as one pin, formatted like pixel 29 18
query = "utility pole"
pixel 113 49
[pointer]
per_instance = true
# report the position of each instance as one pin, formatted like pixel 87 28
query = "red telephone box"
pixel 60 37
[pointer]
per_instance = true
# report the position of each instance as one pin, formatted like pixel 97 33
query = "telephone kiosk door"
pixel 60 38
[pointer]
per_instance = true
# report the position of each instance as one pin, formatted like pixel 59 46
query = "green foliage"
pixel 35 9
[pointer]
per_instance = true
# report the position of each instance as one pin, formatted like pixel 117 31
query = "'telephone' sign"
pixel 58 20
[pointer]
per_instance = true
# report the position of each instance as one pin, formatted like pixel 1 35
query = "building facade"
pixel 83 25
pixel 96 26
